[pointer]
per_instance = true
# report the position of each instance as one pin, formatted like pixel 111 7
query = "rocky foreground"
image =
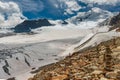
pixel 101 62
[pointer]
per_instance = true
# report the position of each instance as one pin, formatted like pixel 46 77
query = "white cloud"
pixel 101 2
pixel 72 6
pixel 10 14
pixel 34 6
pixel 29 5
pixel 69 6
pixel 58 8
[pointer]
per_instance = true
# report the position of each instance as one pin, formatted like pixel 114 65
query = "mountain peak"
pixel 27 25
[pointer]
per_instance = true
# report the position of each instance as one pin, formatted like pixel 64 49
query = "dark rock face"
pixel 27 25
pixel 64 22
pixel 13 78
pixel 115 22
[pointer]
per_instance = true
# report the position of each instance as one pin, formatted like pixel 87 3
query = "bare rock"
pixel 111 75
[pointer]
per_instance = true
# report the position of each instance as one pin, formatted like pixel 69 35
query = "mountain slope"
pixel 87 64
pixel 91 18
pixel 89 60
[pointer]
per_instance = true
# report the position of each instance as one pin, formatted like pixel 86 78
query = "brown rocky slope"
pixel 101 62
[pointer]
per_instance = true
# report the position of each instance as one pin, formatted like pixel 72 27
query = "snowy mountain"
pixel 88 19
pixel 95 15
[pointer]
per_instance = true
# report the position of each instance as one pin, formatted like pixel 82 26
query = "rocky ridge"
pixel 27 25
pixel 115 22
pixel 101 62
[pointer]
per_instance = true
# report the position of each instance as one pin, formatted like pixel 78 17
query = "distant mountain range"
pixel 93 17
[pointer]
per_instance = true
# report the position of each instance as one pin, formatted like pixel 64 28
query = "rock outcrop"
pixel 27 25
pixel 115 22
pixel 101 62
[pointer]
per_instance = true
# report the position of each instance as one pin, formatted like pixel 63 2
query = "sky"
pixel 13 12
